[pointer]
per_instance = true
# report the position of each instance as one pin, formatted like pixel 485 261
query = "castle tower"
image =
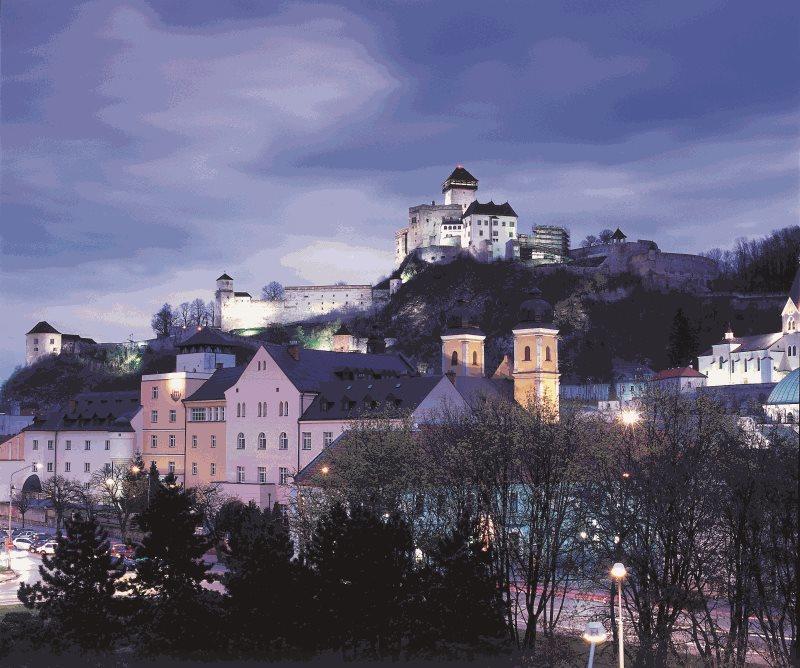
pixel 223 295
pixel 343 340
pixel 460 188
pixel 462 344
pixel 536 375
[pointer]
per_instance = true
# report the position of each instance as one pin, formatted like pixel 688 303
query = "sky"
pixel 148 147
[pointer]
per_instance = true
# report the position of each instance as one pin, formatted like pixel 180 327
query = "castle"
pixel 238 310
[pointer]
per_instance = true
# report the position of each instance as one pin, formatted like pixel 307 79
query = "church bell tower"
pixel 462 344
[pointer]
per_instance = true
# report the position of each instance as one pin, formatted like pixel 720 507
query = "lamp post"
pixel 618 572
pixel 34 467
pixel 594 634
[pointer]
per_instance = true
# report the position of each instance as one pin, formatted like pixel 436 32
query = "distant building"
pixel 44 339
pixel 783 404
pixel 762 358
pixel 682 380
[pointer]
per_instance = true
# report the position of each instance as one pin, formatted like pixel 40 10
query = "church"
pixel 762 358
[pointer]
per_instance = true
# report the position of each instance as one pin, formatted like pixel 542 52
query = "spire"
pixel 794 291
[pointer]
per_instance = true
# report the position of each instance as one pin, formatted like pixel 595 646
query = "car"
pixel 48 547
pixel 22 543
pixel 24 533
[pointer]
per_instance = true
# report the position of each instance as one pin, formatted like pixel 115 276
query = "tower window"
pixel 527 356
pixel 547 354
pixel 454 358
pixel 474 358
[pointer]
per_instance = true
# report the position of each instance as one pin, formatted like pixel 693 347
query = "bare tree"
pixel 273 291
pixel 605 236
pixel 182 315
pixel 590 240
pixel 122 489
pixel 198 313
pixel 22 502
pixel 163 321
pixel 61 493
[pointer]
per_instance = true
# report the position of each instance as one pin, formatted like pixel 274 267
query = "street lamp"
pixel 594 634
pixel 629 417
pixel 618 572
pixel 34 467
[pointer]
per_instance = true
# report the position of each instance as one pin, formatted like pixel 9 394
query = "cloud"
pixel 330 261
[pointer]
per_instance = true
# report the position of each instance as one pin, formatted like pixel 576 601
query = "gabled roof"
pixel 749 343
pixel 315 367
pixel 224 277
pixel 43 327
pixel 678 372
pixel 461 174
pixel 489 209
pixel 92 411
pixel 619 235
pixel 476 389
pixel 214 388
pixel 207 337
pixel 348 399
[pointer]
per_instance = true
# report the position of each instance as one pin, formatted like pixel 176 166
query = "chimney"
pixel 294 350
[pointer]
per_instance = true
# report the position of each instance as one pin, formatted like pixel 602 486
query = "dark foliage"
pixel 682 348
pixel 75 598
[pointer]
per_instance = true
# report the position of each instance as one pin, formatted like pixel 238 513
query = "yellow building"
pixel 463 345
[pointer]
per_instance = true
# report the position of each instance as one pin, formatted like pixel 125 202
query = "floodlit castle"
pixel 239 310
pixel 763 358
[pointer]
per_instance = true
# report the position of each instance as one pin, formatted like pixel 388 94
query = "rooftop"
pixel 489 209
pixel 92 411
pixel 677 372
pixel 43 327
pixel 214 388
pixel 787 391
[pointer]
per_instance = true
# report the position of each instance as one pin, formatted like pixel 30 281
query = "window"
pixel 153 417
pixel 49 445
pixel 547 354
pixel 745 364
pixel 171 467
pixel 262 474
pixel 154 392
pixel 68 445
pixel 35 444
pixel 283 441
pixel 87 467
pixel 172 440
pixel 283 408
pixel 240 441
pixel 35 340
pixel 758 364
pixel 720 361
pixel 108 445
pixel 306 440
pixel 259 409
pixel 222 413
pixel 198 415
pixel 243 409
pixel 87 445
pixel 213 469
pixel 327 438
pixel 173 415
pixel 474 358
pixel 283 475
pixel 194 468
pixel 454 358
pixel 264 409
pixel 213 441
pixel 49 467
pixel 154 441
pixel 194 440
pixel 262 441
pixel 527 355
pixel 67 467
pixel 52 341
pixel 238 409
pixel 240 474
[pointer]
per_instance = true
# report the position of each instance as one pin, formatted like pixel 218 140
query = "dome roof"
pixel 461 320
pixel 787 391
pixel 536 310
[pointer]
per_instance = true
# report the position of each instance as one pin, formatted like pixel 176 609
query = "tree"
pixel 60 492
pixel 22 502
pixel 682 347
pixel 182 315
pixel 273 292
pixel 175 613
pixel 590 240
pixel 605 236
pixel 122 489
pixel 163 321
pixel 265 610
pixel 199 313
pixel 75 597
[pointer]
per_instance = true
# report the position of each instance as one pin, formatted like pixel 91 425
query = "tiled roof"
pixel 43 327
pixel 343 400
pixel 749 343
pixel 461 174
pixel 214 388
pixel 92 411
pixel 475 389
pixel 76 337
pixel 206 337
pixel 242 294
pixel 679 372
pixel 489 209
pixel 315 367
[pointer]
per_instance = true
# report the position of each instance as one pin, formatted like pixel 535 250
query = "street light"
pixel 629 417
pixel 594 634
pixel 34 467
pixel 618 572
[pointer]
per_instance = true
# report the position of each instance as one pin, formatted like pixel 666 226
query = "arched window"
pixel 259 409
pixel 474 358
pixel 527 356
pixel 547 354
pixel 283 441
pixel 240 441
pixel 243 409
pixel 454 358
pixel 262 441
pixel 238 409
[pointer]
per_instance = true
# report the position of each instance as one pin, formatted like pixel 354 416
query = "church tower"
pixel 460 188
pixel 223 296
pixel 535 374
pixel 462 344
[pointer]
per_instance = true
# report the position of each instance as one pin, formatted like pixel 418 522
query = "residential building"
pixel 680 379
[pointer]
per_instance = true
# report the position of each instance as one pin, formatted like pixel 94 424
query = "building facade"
pixel 43 340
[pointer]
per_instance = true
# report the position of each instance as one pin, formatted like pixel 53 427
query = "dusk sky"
pixel 149 147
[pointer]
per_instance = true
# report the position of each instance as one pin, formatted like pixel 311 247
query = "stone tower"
pixel 536 375
pixel 462 344
pixel 460 188
pixel 224 296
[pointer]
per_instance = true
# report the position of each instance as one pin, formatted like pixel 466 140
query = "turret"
pixel 460 188
pixel 223 295
pixel 462 343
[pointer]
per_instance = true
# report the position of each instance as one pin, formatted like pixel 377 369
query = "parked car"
pixel 48 547
pixel 23 533
pixel 22 543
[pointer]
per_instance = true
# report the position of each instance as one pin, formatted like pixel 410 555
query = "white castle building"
pixel 239 310
pixel 763 358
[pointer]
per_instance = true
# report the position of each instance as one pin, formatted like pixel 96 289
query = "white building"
pixel 763 358
pixel 683 380
pixel 44 339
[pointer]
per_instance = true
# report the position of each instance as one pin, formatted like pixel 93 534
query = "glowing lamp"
pixel 595 633
pixel 629 417
pixel 618 571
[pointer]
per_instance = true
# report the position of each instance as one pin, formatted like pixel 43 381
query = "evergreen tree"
pixel 75 597
pixel 363 564
pixel 263 583
pixel 176 614
pixel 682 347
